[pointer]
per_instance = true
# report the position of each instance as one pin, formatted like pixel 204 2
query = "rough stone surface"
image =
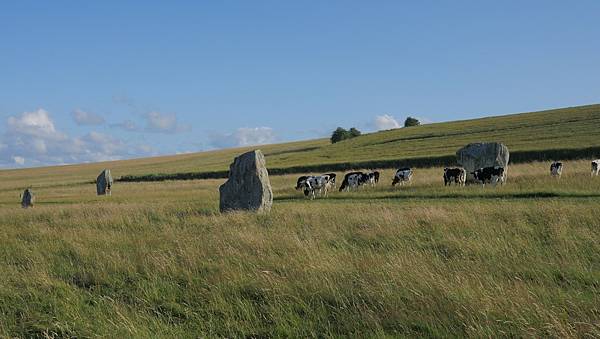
pixel 27 198
pixel 483 154
pixel 248 187
pixel 104 183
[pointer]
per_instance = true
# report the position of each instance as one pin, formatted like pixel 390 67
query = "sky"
pixel 84 81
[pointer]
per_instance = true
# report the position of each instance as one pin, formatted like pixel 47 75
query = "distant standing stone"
pixel 482 154
pixel 248 186
pixel 27 199
pixel 104 183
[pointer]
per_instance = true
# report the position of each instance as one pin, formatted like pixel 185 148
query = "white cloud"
pixel 245 136
pixel 163 123
pixel 36 124
pixel 87 118
pixel 34 136
pixel 19 160
pixel 385 122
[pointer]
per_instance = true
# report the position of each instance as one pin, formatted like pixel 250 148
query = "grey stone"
pixel 482 154
pixel 248 186
pixel 104 183
pixel 27 199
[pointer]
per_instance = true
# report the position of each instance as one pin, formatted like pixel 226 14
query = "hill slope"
pixel 572 129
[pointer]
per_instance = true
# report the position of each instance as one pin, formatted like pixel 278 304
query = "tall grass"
pixel 157 260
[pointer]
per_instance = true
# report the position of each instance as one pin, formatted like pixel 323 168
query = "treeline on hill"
pixel 446 160
pixel 342 134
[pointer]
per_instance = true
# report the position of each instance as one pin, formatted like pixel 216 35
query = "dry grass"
pixel 156 259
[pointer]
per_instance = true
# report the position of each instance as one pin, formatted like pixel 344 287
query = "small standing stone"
pixel 248 186
pixel 27 198
pixel 104 183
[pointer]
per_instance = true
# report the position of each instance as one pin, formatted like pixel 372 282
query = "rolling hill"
pixel 566 133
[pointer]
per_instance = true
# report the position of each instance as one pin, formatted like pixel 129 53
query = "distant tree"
pixel 342 134
pixel 354 132
pixel 339 134
pixel 410 121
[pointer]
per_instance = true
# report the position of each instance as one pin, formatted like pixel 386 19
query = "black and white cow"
pixel 373 178
pixel 403 175
pixel 556 169
pixel 300 182
pixel 331 179
pixel 456 175
pixel 354 180
pixel 316 184
pixel 491 175
pixel 595 167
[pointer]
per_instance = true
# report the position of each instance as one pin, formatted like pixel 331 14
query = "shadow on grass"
pixel 450 196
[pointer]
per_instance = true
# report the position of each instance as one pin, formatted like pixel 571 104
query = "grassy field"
pixel 158 260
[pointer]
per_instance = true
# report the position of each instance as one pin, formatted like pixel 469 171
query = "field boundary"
pixel 516 157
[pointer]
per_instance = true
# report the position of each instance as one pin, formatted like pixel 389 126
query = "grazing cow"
pixel 300 182
pixel 316 184
pixel 490 174
pixel 595 167
pixel 331 178
pixel 457 175
pixel 556 169
pixel 373 178
pixel 353 180
pixel 403 175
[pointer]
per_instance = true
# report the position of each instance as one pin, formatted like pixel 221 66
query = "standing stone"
pixel 248 186
pixel 104 183
pixel 482 154
pixel 27 199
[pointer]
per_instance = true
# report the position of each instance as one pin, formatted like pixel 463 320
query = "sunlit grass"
pixel 157 259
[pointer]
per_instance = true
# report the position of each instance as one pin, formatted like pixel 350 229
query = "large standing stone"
pixel 27 199
pixel 248 186
pixel 104 182
pixel 482 154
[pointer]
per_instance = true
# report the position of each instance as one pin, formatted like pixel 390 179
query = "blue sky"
pixel 85 81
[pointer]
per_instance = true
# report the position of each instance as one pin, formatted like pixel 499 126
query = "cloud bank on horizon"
pixel 33 139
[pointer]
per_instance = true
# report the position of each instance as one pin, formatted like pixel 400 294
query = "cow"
pixel 457 175
pixel 316 184
pixel 331 179
pixel 403 175
pixel 300 182
pixel 556 169
pixel 595 167
pixel 490 174
pixel 373 178
pixel 354 180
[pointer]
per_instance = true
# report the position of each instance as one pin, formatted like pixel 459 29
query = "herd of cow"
pixel 556 168
pixel 320 184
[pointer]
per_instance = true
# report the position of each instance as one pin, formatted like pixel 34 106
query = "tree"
pixel 338 135
pixel 354 132
pixel 410 121
pixel 342 134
